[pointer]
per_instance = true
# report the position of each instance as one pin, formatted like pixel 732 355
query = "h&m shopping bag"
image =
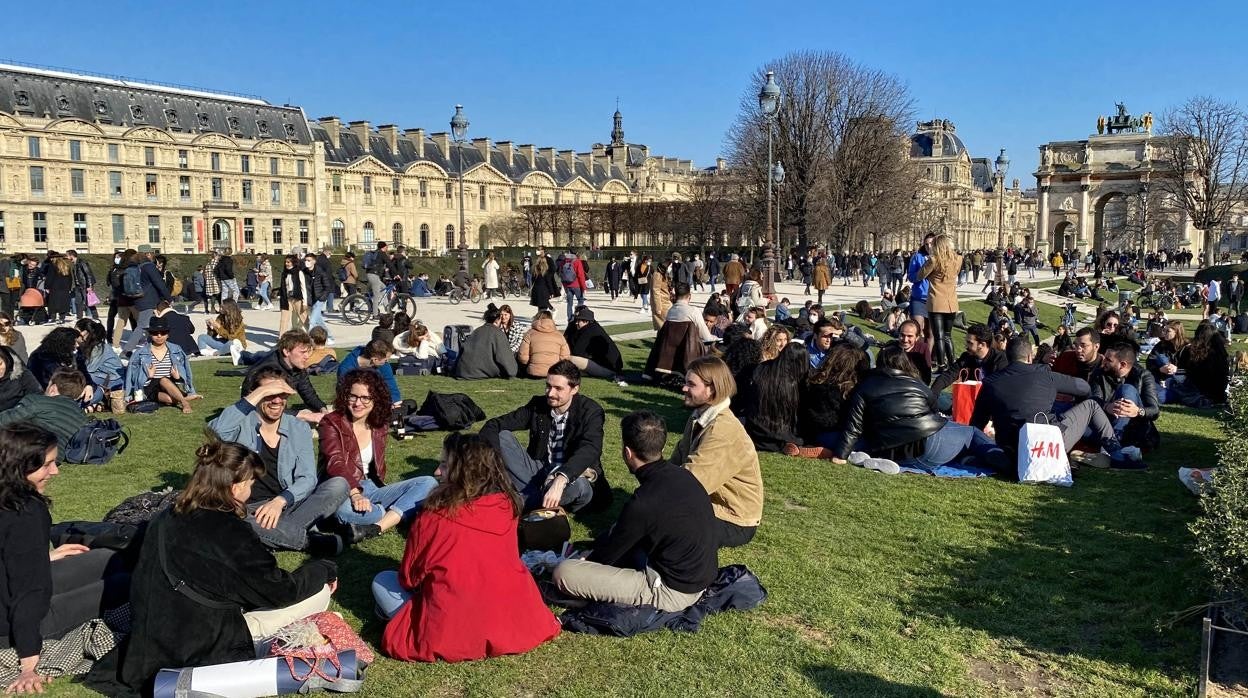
pixel 1042 455
pixel 965 391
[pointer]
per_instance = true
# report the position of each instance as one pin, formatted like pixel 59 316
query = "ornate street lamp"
pixel 459 130
pixel 1002 166
pixel 769 105
pixel 777 178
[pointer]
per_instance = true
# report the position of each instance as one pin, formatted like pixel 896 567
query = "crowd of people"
pixel 803 382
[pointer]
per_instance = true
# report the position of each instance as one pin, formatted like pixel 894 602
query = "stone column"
pixel 1084 218
pixel 1042 221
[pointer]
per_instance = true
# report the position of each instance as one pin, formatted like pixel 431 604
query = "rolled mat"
pixel 256 679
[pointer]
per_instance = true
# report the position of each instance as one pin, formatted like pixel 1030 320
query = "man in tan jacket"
pixel 734 274
pixel 719 453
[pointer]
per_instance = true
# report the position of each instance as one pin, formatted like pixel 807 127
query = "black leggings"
pixel 942 341
pixel 83 586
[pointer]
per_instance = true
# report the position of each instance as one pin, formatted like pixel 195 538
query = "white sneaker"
pixel 208 351
pixel 858 458
pixel 882 465
pixel 643 311
pixel 236 351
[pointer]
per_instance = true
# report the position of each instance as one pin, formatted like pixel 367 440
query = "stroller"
pixel 31 309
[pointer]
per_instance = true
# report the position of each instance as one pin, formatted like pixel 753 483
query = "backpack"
pixel 568 272
pixel 142 508
pixel 96 442
pixel 453 338
pixel 132 282
pixel 369 259
pixel 342 273
pixel 452 411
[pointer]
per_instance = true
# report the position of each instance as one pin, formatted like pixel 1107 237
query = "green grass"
pixel 890 586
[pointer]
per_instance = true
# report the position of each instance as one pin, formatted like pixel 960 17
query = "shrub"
pixel 1221 531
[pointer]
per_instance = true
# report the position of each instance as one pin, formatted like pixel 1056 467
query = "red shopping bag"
pixel 965 391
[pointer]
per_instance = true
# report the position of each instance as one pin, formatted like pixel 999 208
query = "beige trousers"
pixel 263 624
pixel 596 582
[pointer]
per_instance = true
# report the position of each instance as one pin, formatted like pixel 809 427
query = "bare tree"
pixel 1130 221
pixel 1207 151
pixel 508 230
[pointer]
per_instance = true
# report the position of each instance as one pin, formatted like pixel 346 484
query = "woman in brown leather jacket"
pixel 353 447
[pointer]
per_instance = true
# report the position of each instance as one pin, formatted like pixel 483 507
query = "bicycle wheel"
pixel 355 309
pixel 404 302
pixel 475 297
pixel 454 297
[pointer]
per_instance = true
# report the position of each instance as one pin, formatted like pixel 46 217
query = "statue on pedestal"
pixel 1147 122
pixel 1100 125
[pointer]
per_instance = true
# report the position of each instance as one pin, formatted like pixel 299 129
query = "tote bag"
pixel 1042 455
pixel 965 391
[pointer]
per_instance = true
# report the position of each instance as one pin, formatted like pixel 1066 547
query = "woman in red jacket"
pixel 461 591
pixel 353 447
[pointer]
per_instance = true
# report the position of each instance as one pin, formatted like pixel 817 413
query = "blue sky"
pixel 1011 75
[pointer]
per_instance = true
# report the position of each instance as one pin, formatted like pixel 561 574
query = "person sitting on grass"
pixel 323 358
pixel 769 406
pixel 593 350
pixel 821 410
pixel 44 594
pixel 286 499
pixel 385 327
pixel 15 381
pixel 181 329
pixel 103 366
pixel 562 467
pixel 461 592
pixel 374 356
pixel 229 587
pixel 160 371
pixel 543 346
pixel 916 348
pixel 1128 394
pixel 668 522
pixel 486 353
pixel 715 447
pixel 59 349
pixel 56 409
pixel 683 311
pixel 291 358
pixel 774 341
pixel 353 447
pixel 980 355
pixel 227 332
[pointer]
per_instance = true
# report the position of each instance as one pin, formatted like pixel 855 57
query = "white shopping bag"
pixel 1042 455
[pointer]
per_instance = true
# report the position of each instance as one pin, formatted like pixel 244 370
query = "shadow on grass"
pixel 1094 571
pixel 838 682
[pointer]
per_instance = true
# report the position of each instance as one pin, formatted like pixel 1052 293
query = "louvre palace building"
pixel 102 163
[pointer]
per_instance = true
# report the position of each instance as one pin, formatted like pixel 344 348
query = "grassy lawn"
pixel 889 586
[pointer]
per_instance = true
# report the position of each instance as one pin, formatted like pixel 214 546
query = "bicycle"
pixel 357 307
pixel 514 287
pixel 458 295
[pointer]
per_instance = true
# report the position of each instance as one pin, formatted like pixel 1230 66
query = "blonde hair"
pixel 946 257
pixel 712 371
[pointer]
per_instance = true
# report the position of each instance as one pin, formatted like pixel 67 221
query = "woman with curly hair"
pixel 353 447
pixel 821 409
pixel 59 350
pixel 11 338
pixel 226 333
pixel 461 562
pixel 774 340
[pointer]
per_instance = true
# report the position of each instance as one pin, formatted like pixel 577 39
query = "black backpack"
pixel 96 442
pixel 452 411
pixel 142 508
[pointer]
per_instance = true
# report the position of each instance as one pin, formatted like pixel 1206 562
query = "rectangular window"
pixel 153 229
pixel 184 188
pixel 119 228
pixel 246 191
pixel 368 189
pixel 183 160
pixel 32 146
pixel 77 182
pixel 36 180
pixel 249 231
pixel 272 166
pixel 277 231
pixel 299 168
pixel 149 156
pixel 303 231
pixel 275 193
pixel 396 188
pixel 114 152
pixel 448 191
pixel 80 228
pixel 245 163
pixel 424 193
pixel 515 195
pixel 303 195
pixel 216 189
pixel 215 161
pixel 556 197
pixel 188 230
pixel 114 184
pixel 481 197
pixel 2 238
pixel 537 197
pixel 75 151
pixel 337 189
pixel 41 227
pixel 151 186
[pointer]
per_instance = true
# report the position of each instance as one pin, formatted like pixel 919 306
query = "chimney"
pixel 588 159
pixel 333 127
pixel 720 164
pixel 599 150
pixel 390 132
pixel 509 153
pixel 1015 184
pixel 483 146
pixel 549 154
pixel 362 132
pixel 645 151
pixel 417 137
pixel 530 154
pixel 442 139
pixel 569 158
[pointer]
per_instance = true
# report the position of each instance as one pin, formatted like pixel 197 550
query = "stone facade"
pixel 962 197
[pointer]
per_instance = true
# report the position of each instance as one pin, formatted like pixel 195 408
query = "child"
pixel 323 359
pixel 782 310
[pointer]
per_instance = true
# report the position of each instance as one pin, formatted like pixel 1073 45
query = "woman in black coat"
pixel 227 575
pixel 545 285
pixel 15 381
pixel 290 295
pixel 821 411
pixel 59 350
pixel 59 283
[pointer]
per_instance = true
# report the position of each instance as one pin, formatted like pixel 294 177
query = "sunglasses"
pixel 157 333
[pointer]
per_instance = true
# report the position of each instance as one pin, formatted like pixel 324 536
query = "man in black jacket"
pixel 1014 396
pixel 227 277
pixel 668 520
pixel 563 464
pixel 84 279
pixel 291 358
pixel 979 356
pixel 154 291
pixel 592 348
pixel 1128 393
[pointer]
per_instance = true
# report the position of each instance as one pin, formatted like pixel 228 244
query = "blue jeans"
pixel 388 594
pixel 645 299
pixel 404 496
pixel 316 317
pixel 952 443
pixel 263 292
pixel 1131 394
pixel 529 477
pixel 575 297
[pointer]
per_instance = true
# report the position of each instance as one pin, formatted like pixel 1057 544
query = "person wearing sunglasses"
pixel 160 371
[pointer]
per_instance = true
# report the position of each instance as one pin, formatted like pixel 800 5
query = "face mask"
pixel 117 259
pixel 813 318
pixel 309 265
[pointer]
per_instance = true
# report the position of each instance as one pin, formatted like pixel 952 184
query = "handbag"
pixel 544 529
pixel 1042 454
pixel 317 639
pixel 13 283
pixel 965 392
pixel 92 299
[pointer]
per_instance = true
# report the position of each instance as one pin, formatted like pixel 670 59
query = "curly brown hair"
pixel 379 416
pixel 843 367
pixel 471 468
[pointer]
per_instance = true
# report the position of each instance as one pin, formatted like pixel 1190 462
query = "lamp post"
pixel 1002 165
pixel 777 178
pixel 459 129
pixel 769 105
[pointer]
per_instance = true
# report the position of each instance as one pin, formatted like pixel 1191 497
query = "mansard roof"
pixel 981 174
pixel 55 94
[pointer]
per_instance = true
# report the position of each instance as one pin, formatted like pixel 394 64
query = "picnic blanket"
pixel 949 471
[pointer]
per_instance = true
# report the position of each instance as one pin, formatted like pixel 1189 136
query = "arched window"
pixel 338 233
pixel 483 236
pixel 369 234
pixel 944 174
pixel 396 232
pixel 424 236
pixel 450 237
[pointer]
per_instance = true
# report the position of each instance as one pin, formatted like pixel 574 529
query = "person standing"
pixel 1213 294
pixel 734 274
pixel 264 276
pixel 58 283
pixel 615 274
pixel 290 296
pixel 212 284
pixel 318 284
pixel 572 274
pixel 940 271
pixel 1234 293
pixel 375 264
pixel 84 280
pixel 712 269
pixel 154 291
pixel 490 269
pixel 325 266
pixel 226 275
